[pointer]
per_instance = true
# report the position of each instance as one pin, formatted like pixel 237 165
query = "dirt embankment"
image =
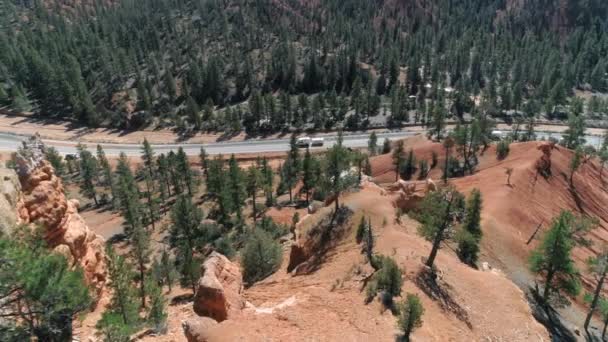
pixel 328 304
pixel 512 213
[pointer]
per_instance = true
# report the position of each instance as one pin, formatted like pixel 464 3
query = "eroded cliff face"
pixel 42 202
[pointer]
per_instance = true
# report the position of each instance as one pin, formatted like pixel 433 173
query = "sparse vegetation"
pixel 410 315
pixel 552 259
pixel 503 149
pixel 261 256
pixel 438 214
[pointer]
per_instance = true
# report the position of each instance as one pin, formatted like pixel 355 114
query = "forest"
pixel 267 65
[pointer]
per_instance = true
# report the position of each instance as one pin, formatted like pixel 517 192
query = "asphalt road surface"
pixel 10 142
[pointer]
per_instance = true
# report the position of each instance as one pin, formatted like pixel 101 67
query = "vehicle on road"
pixel 309 142
pixel 303 142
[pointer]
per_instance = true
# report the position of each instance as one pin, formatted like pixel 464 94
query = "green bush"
pixel 502 149
pixel 387 278
pixel 410 315
pixel 468 247
pixel 261 256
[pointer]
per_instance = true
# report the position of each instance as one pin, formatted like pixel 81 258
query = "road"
pixel 10 142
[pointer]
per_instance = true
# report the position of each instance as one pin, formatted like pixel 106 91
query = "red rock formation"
pixel 218 292
pixel 543 164
pixel 43 203
pixel 196 328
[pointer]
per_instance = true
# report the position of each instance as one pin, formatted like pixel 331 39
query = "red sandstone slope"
pixel 327 305
pixel 512 213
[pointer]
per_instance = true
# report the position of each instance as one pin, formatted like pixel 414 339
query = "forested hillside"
pixel 271 65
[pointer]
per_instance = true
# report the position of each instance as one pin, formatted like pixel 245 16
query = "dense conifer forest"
pixel 273 65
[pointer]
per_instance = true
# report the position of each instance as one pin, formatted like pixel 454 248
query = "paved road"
pixel 9 142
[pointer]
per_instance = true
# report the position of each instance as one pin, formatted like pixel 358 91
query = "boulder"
pixel 219 291
pixel 196 328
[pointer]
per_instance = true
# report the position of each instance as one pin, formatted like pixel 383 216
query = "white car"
pixel 303 142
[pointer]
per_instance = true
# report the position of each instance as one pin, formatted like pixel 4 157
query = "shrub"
pixel 387 278
pixel 361 229
pixel 468 247
pixel 502 149
pixel 261 256
pixel 386 146
pixel 410 315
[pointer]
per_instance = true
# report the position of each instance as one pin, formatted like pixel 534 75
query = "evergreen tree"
pixel 88 173
pixel 128 194
pixel 575 163
pixel 409 168
pixel 574 136
pixel 147 156
pixel 254 179
pixel 410 315
pixel 470 235
pixel 398 158
pixel 140 252
pixel 157 315
pixel 438 214
pixel 41 293
pixel 236 186
pixel 336 164
pixel 183 170
pixel 106 171
pixel 309 174
pixel 552 259
pixel 55 159
pixel 122 317
pixel 185 231
pixel 372 144
pixel 598 266
pixel 261 257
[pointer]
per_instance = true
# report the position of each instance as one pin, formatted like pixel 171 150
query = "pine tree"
pixel 203 159
pixel 164 175
pixel 55 159
pixel 552 259
pixel 260 257
pixel 88 173
pixel 372 144
pixel 575 162
pixel 184 233
pixel 291 167
pixel 437 214
pixel 336 164
pixel 598 266
pixel 122 317
pixel 309 174
pixel 106 171
pixel 254 179
pixel 140 252
pixel 398 158
pixel 184 171
pixel 470 235
pixel 236 186
pixel 157 315
pixel 409 168
pixel 128 194
pixel 410 315
pixel 267 180
pixel 147 156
